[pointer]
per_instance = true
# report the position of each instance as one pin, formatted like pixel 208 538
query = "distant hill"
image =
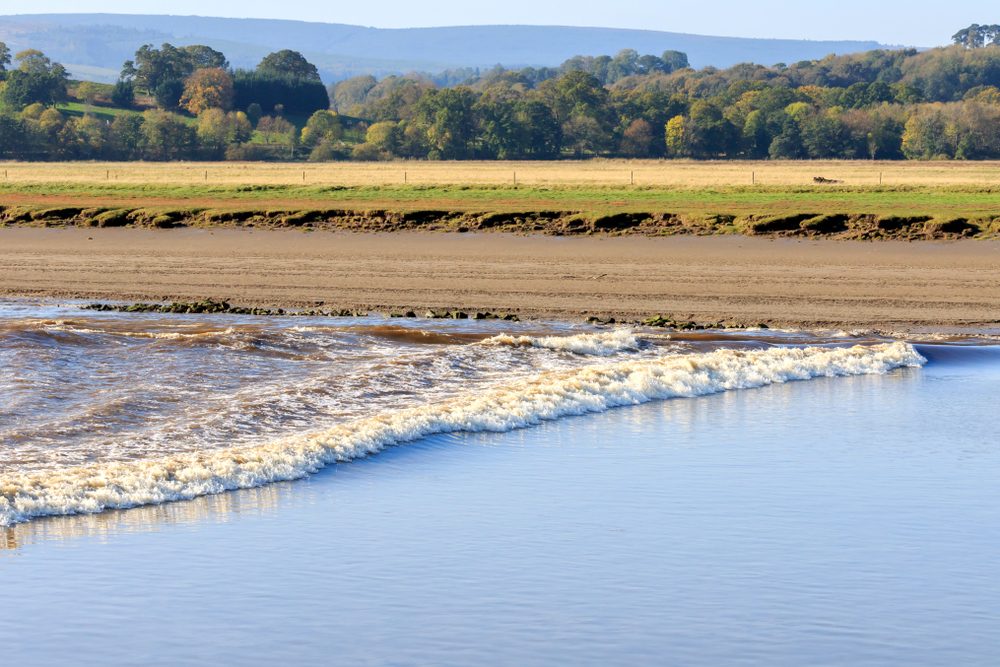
pixel 95 45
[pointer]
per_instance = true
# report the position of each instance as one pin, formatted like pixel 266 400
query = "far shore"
pixel 732 279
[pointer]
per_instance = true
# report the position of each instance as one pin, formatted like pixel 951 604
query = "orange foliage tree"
pixel 209 88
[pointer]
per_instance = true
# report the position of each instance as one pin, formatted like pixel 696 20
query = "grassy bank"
pixel 914 200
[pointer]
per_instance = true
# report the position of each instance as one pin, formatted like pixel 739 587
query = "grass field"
pixel 604 173
pixel 936 190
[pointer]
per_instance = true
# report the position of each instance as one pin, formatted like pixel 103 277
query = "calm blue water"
pixel 844 521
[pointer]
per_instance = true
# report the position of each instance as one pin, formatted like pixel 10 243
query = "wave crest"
pixel 545 397
pixel 604 344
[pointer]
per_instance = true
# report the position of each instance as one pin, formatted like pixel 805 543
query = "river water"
pixel 421 492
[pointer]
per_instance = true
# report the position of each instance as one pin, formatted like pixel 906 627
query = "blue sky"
pixel 914 22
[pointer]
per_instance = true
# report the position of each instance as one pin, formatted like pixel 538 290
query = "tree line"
pixel 884 104
pixel 170 103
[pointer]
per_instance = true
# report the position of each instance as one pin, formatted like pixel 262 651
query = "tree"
pixel 240 128
pixel 126 136
pixel 205 57
pixel 88 92
pixel 675 60
pixel 152 67
pixel 757 134
pixel 876 133
pixel 787 143
pixel 209 88
pixel 213 130
pixel 825 136
pixel 709 134
pixel 36 79
pixel 13 136
pixel 217 130
pixel 254 113
pixel 322 126
pixel 584 135
pixel 268 89
pixel 541 135
pixel 384 136
pixel 50 123
pixel 677 137
pixel 582 106
pixel 168 93
pixel 275 130
pixel 4 59
pixel 123 94
pixel 351 93
pixel 166 136
pixel 162 72
pixel 447 119
pixel 325 152
pixel 638 139
pixel 576 94
pixel 92 136
pixel 289 63
pixel 977 36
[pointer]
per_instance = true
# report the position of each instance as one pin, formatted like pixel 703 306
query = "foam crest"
pixel 604 344
pixel 526 403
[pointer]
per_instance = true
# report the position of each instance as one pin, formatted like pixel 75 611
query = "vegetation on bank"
pixel 912 213
pixel 187 103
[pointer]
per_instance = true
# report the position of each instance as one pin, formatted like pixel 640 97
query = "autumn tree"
pixel 322 126
pixel 638 139
pixel 383 136
pixel 209 88
pixel 217 130
pixel 88 92
pixel 677 137
pixel 162 72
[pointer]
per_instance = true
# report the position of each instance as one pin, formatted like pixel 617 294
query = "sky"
pixel 912 22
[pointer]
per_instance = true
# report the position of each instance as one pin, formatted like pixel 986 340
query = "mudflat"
pixel 737 279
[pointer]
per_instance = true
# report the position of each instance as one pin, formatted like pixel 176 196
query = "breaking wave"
pixel 603 344
pixel 544 397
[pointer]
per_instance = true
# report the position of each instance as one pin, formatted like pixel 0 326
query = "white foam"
pixel 545 397
pixel 157 335
pixel 604 344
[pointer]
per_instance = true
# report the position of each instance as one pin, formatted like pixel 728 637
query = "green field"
pixel 764 200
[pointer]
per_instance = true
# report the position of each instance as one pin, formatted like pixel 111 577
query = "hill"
pixel 93 46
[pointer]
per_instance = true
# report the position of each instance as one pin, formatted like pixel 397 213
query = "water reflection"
pixel 217 509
